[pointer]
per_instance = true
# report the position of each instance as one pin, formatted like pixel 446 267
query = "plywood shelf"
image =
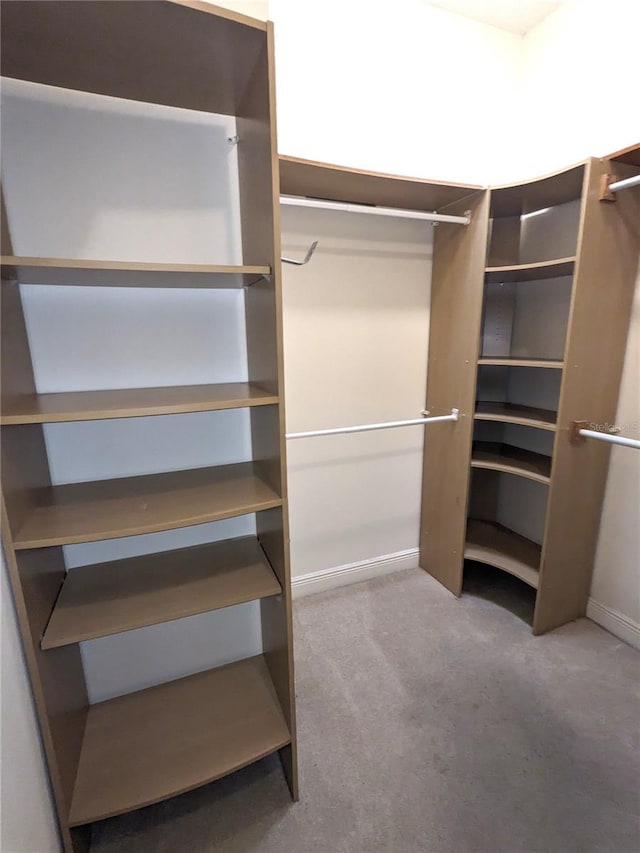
pixel 340 183
pixel 514 413
pixel 507 361
pixel 491 543
pixel 203 56
pixel 530 272
pixel 132 402
pixel 108 598
pixel 546 191
pixel 146 746
pixel 127 506
pixel 497 456
pixel 92 273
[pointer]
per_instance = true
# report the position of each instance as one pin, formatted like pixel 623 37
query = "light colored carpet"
pixel 430 725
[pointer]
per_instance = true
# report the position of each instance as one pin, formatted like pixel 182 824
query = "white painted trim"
pixel 364 570
pixel 616 623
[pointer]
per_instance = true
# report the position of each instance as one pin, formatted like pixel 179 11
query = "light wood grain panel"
pixel 530 272
pixel 514 413
pixel 342 183
pixel 259 192
pixel 182 55
pixel 454 341
pixel 131 402
pixel 94 273
pixel 497 456
pixel 57 680
pixel 122 595
pixel 522 362
pixel 604 284
pixel 497 546
pixel 127 506
pixel 629 155
pixel 544 191
pixel 504 241
pixel 145 746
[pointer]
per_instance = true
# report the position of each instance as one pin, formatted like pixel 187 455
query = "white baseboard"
pixel 616 623
pixel 325 579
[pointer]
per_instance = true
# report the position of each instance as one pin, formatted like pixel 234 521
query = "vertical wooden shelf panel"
pixel 606 267
pixel 454 342
pixel 260 206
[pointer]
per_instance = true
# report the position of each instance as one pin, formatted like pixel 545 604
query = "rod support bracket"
pixel 605 182
pixel 456 414
pixel 574 432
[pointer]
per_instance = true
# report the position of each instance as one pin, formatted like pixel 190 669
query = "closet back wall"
pixel 356 339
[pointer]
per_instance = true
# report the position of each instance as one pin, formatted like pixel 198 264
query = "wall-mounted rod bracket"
pixel 233 140
pixel 578 434
pixel 610 185
pixel 306 258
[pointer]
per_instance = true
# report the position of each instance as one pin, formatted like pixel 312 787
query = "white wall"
pixel 356 338
pixel 580 85
pixel 396 87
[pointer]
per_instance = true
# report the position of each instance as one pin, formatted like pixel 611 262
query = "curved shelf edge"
pixel 512 460
pixel 490 543
pixel 127 506
pixel 144 747
pixel 136 592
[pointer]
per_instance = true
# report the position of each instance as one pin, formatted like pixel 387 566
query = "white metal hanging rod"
pixel 616 186
pixel 422 421
pixel 579 431
pixel 321 204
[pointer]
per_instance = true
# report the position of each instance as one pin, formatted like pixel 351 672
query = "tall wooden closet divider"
pixel 142 747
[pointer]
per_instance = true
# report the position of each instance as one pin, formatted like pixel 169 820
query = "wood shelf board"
pixel 128 506
pixel 497 456
pixel 132 402
pixel 531 272
pixel 64 45
pixel 92 273
pixel 109 598
pixel 143 747
pixel 491 543
pixel 495 361
pixel 515 414
pixel 629 155
pixel 545 191
pixel 340 183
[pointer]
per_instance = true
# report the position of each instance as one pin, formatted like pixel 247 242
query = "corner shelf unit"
pixel 127 752
pixel 544 270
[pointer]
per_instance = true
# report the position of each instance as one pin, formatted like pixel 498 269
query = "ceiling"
pixel 516 16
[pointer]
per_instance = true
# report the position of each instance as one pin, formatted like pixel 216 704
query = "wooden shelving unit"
pixel 541 236
pixel 141 747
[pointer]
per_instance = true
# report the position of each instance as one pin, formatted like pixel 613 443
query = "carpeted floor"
pixel 430 725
